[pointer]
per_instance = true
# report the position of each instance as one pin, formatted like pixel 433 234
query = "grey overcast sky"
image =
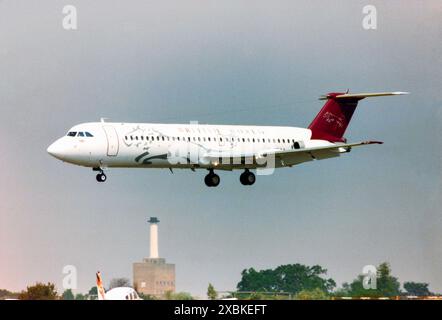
pixel 222 62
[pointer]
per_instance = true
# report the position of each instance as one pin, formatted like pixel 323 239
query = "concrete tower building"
pixel 154 237
pixel 153 276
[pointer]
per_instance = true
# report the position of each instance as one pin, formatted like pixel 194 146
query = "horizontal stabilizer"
pixel 361 95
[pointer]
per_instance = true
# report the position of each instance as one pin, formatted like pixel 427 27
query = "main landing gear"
pixel 247 178
pixel 212 179
pixel 101 177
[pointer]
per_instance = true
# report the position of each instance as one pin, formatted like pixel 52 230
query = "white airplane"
pixel 120 293
pixel 102 145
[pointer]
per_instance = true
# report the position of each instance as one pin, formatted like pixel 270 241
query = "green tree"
pixel 146 296
pixel 92 294
pixel 315 294
pixel 211 292
pixel 356 289
pixel 169 295
pixel 67 295
pixel 6 294
pixel 256 296
pixel 417 289
pixel 386 285
pixel 80 296
pixel 291 278
pixel 39 291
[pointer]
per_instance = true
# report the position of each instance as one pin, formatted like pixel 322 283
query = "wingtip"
pixel 373 142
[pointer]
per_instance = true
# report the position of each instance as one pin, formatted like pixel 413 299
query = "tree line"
pixel 290 281
pixel 310 282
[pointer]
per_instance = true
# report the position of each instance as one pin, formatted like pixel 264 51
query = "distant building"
pixel 153 276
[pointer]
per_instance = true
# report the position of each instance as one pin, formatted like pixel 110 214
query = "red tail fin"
pixel 332 121
pixel 335 115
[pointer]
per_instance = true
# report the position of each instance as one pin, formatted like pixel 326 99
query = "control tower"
pixel 153 276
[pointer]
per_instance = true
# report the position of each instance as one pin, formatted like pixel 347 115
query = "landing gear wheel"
pixel 247 178
pixel 212 179
pixel 101 177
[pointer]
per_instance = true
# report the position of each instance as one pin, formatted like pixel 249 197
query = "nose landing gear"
pixel 101 177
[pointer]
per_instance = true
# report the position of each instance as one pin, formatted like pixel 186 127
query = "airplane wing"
pixel 287 157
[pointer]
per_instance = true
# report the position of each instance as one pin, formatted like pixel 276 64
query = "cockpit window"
pixel 81 134
pixel 88 134
pixel 72 134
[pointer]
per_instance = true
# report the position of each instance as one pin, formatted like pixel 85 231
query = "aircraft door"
pixel 112 140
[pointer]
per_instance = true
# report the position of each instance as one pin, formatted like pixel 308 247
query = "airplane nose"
pixel 55 150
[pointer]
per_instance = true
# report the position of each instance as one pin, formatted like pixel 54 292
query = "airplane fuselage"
pixel 147 145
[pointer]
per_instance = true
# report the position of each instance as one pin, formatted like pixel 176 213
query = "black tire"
pixel 207 180
pixel 247 178
pixel 242 179
pixel 101 177
pixel 250 178
pixel 214 180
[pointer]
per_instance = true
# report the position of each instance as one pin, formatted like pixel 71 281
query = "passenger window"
pixel 81 134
